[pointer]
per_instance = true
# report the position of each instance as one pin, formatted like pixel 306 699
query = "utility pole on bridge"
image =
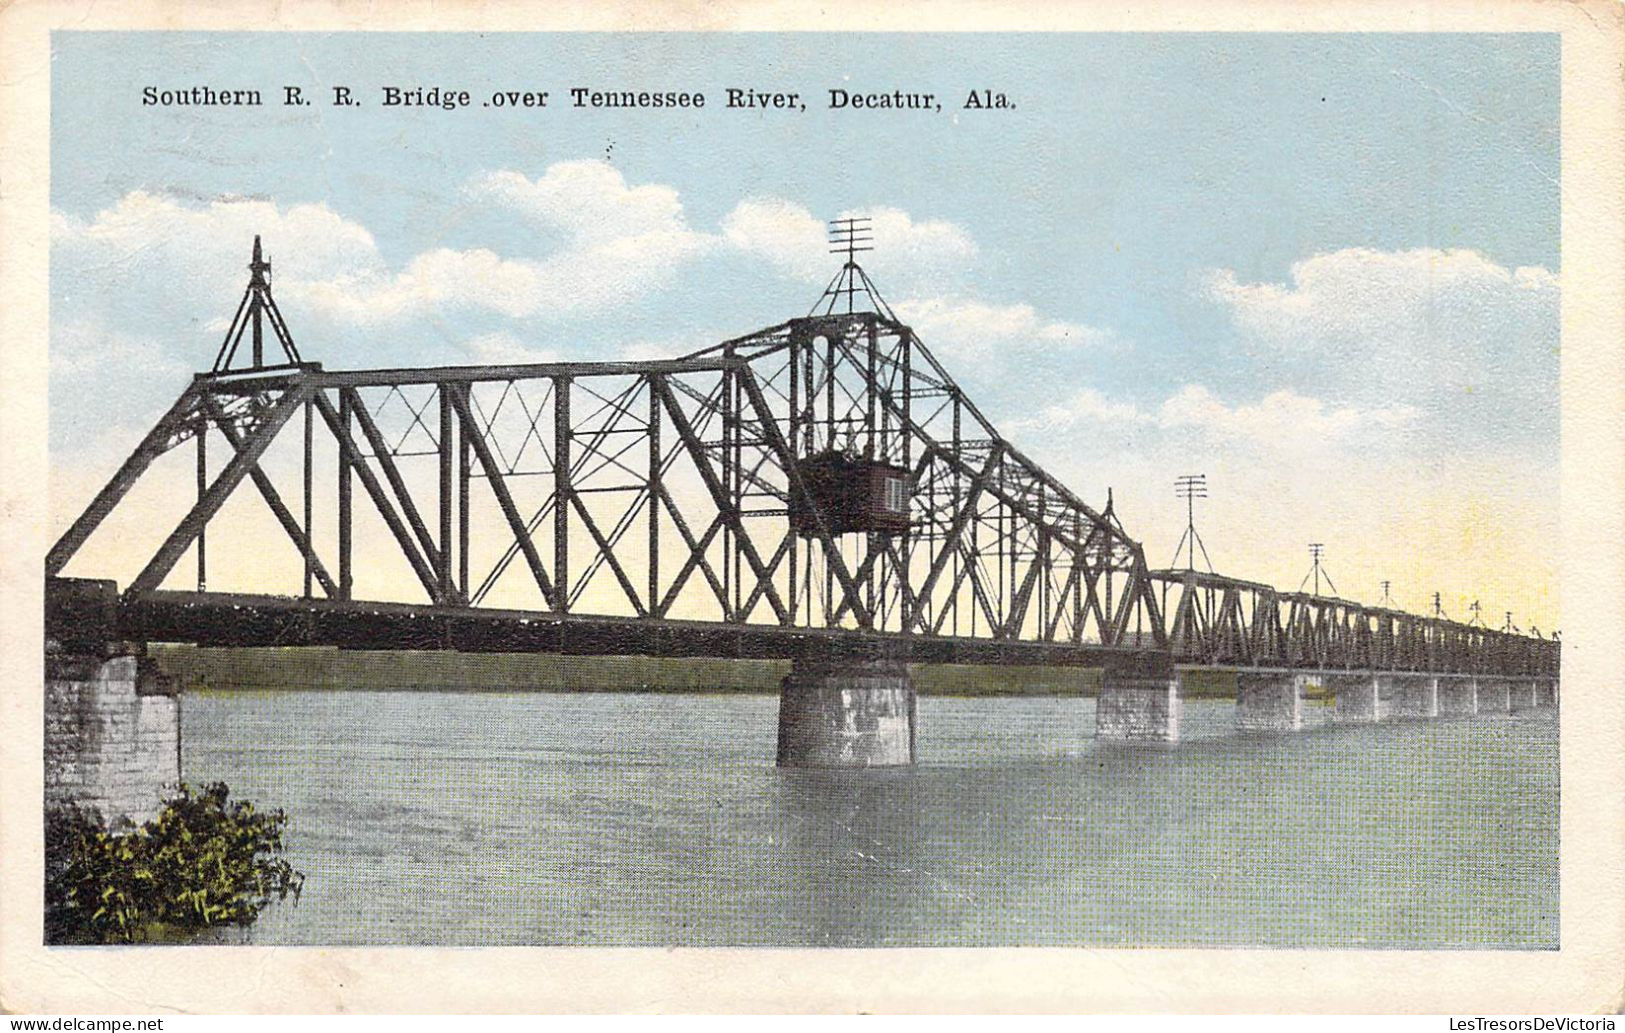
pixel 1190 487
pixel 1317 571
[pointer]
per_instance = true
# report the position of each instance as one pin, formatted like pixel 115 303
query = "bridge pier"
pixel 1413 695
pixel 1522 694
pixel 112 719
pixel 1495 695
pixel 1269 701
pixel 1139 699
pixel 1458 695
pixel 1356 695
pixel 112 735
pixel 850 712
pixel 1546 692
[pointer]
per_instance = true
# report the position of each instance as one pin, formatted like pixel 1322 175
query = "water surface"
pixel 636 819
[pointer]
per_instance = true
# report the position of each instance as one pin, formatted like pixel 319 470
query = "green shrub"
pixel 203 861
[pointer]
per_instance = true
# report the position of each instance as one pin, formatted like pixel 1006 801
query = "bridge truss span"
pixel 824 474
pixel 1218 621
pixel 746 484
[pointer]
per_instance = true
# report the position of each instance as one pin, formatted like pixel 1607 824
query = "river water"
pixel 628 819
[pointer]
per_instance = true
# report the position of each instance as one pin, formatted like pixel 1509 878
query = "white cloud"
pixel 908 253
pixel 504 348
pixel 432 281
pixel 1425 324
pixel 785 235
pixel 589 200
pixel 171 271
pixel 618 243
pixel 88 347
pixel 921 244
pixel 150 244
pixel 975 329
pixel 1281 419
pixel 1280 422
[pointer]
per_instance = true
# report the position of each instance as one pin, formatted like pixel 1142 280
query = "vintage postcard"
pixel 768 488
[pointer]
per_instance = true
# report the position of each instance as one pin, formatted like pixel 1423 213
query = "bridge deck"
pixel 220 619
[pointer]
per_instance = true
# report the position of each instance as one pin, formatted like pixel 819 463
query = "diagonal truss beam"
pixel 268 491
pixel 206 507
pixel 159 440
pixel 357 464
pixel 499 488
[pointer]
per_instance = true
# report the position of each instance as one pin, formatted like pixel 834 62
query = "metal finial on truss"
pixel 256 309
pixel 848 236
pixel 851 235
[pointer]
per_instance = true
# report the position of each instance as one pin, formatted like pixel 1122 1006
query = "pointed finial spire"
pixel 257 265
pixel 256 310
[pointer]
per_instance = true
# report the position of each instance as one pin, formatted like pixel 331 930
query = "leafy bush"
pixel 203 861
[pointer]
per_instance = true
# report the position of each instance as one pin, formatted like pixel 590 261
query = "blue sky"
pixel 1323 269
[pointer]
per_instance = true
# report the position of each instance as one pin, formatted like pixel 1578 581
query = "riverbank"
pixel 201 669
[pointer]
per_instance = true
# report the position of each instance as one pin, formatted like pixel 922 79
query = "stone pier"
pixel 1356 697
pixel 1522 694
pixel 1413 695
pixel 1458 695
pixel 846 713
pixel 1139 699
pixel 1269 701
pixel 112 735
pixel 1546 692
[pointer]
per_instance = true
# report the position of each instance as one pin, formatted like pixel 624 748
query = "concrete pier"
pixel 846 713
pixel 1413 695
pixel 1139 699
pixel 112 736
pixel 1356 697
pixel 1269 701
pixel 1458 695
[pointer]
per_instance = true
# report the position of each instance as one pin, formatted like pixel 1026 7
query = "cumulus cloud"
pixel 589 200
pixel 614 242
pixel 908 252
pixel 504 348
pixel 171 243
pixel 785 235
pixel 977 330
pixel 1436 327
pixel 617 242
pixel 1282 421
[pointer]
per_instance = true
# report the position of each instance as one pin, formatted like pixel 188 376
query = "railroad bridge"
pixel 820 490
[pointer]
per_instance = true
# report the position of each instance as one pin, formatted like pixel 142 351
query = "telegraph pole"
pixel 1190 487
pixel 1316 549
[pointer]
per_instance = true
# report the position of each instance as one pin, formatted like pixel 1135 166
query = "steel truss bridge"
pixel 717 504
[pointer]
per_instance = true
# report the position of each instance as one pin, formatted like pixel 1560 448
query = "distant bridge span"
pixel 819 490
